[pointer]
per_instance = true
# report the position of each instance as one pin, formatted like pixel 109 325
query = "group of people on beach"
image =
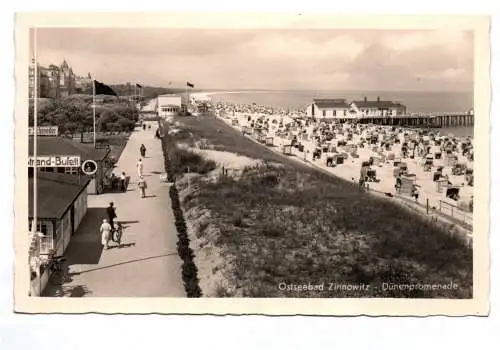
pixel 393 147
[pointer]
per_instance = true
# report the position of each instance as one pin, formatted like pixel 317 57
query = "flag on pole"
pixel 138 85
pixel 103 89
pixel 190 85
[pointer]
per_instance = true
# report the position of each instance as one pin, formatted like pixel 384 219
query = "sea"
pixel 415 102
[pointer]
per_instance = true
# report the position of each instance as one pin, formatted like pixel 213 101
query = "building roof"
pixel 57 145
pixel 377 104
pixel 169 95
pixel 330 103
pixel 56 193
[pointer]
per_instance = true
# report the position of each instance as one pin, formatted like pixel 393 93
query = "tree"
pixel 74 114
pixel 126 124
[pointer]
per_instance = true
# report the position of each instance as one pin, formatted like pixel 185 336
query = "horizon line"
pixel 327 90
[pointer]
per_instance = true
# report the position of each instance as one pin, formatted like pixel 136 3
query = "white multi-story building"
pixel 168 105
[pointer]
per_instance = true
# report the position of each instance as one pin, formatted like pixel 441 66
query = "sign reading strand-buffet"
pixel 55 161
pixel 44 131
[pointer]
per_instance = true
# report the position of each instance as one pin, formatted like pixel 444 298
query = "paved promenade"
pixel 147 264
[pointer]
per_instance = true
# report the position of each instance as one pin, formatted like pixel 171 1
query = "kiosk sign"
pixel 54 161
pixel 44 131
pixel 89 167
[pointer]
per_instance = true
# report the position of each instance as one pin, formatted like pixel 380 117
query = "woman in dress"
pixel 105 233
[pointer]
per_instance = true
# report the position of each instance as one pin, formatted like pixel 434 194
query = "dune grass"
pixel 183 160
pixel 291 225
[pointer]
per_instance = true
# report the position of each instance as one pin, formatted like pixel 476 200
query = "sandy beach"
pixel 411 158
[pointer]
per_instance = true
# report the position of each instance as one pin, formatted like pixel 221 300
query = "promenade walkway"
pixel 147 264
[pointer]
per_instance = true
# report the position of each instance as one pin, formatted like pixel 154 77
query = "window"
pixel 42 227
pixel 324 113
pixel 334 113
pixel 345 113
pixel 72 171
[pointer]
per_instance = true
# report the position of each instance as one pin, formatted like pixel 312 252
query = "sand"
pixel 350 169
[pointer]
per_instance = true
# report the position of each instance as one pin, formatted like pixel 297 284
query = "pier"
pixel 436 120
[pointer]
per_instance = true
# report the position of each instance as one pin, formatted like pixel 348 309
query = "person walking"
pixel 123 180
pixel 142 186
pixel 140 167
pixel 111 213
pixel 142 149
pixel 117 233
pixel 105 233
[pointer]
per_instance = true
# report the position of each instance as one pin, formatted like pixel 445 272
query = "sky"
pixel 269 59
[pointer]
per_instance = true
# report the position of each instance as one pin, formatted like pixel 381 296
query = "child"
pixel 117 233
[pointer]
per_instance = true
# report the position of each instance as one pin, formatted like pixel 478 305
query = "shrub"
pixel 237 220
pixel 189 270
pixel 183 161
pixel 272 229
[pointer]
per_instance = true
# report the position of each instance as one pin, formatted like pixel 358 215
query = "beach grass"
pixel 290 225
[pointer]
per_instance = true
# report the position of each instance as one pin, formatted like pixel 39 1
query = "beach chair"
pixel 339 160
pixel 330 161
pixel 403 167
pixel 437 176
pixel 316 154
pixel 287 150
pixel 429 162
pixel 441 184
pixel 453 193
pixel 407 185
pixel 371 175
pixel 396 172
pixel 458 169
pixel 469 177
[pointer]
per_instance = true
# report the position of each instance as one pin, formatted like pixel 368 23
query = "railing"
pixel 46 244
pixel 417 115
pixel 455 212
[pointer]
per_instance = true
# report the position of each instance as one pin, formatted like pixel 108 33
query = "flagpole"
pixel 93 103
pixel 35 133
